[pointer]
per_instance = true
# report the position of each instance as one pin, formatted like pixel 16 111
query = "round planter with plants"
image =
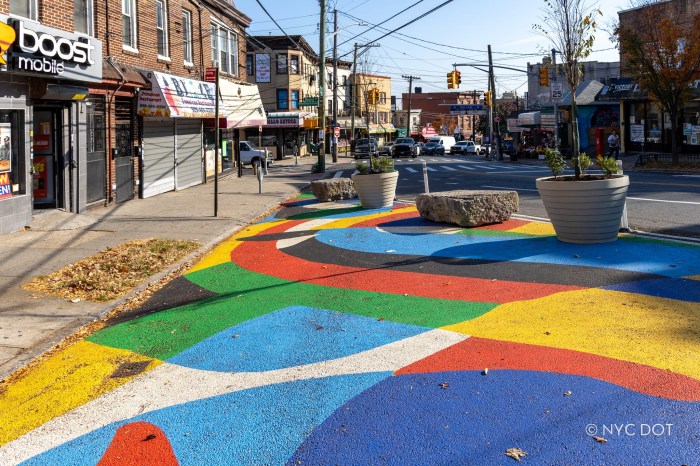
pixel 376 183
pixel 585 209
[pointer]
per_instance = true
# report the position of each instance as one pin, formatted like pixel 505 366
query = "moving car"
pixel 464 147
pixel 445 141
pixel 385 149
pixel 434 148
pixel 364 147
pixel 405 147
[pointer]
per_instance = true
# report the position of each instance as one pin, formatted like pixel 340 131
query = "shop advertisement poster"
pixel 637 133
pixel 262 68
pixel 5 148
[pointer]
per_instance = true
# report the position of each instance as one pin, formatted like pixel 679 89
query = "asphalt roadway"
pixel 328 334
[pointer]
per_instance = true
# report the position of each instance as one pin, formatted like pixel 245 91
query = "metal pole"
pixel 556 110
pixel 321 93
pixel 353 107
pixel 410 91
pixel 426 189
pixel 216 143
pixel 492 81
pixel 335 84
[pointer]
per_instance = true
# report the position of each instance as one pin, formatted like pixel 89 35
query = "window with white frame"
pixel 187 36
pixel 162 28
pixel 83 14
pixel 294 64
pixel 224 48
pixel 25 8
pixel 129 24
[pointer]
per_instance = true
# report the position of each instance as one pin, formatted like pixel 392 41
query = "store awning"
pixel 529 119
pixel 382 128
pixel 242 106
pixel 621 89
pixel 176 97
pixel 287 119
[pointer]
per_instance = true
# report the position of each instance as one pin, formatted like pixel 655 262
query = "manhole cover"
pixel 129 369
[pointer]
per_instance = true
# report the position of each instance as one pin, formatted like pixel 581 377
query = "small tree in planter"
pixel 376 182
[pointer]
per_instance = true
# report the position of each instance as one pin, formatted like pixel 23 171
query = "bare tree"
pixel 663 54
pixel 570 25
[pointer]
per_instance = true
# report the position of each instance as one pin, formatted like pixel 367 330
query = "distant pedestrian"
pixel 614 145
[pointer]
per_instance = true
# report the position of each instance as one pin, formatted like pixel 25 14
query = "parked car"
pixel 385 149
pixel 445 141
pixel 405 147
pixel 464 147
pixel 251 155
pixel 364 147
pixel 434 148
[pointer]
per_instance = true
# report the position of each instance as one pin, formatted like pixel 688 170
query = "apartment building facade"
pixel 102 101
pixel 372 118
pixel 435 113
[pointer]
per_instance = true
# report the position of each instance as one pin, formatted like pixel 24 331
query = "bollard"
pixel 265 164
pixel 260 178
pixel 425 176
pixel 624 223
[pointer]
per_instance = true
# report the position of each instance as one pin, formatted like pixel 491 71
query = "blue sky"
pixel 458 32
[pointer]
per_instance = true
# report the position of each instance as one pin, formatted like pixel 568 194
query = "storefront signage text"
pixel 287 122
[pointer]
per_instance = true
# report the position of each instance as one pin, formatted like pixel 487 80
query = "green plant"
pixel 608 165
pixel 555 161
pixel 583 161
pixel 376 165
pixel 362 168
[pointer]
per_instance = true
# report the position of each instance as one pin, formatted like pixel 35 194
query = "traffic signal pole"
pixel 321 97
pixel 492 84
pixel 410 90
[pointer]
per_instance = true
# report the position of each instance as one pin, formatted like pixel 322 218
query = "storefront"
pixel 172 133
pixel 42 119
pixel 283 133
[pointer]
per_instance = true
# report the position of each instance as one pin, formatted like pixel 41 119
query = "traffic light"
pixel 373 96
pixel 544 76
pixel 487 98
pixel 459 78
pixel 451 80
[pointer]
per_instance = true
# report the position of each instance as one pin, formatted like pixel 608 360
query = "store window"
pixel 162 28
pixel 654 125
pixel 282 99
pixel 82 12
pixel 13 180
pixel 187 37
pixel 24 8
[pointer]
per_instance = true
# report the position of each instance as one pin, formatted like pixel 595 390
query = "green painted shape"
pixel 244 295
pixel 494 233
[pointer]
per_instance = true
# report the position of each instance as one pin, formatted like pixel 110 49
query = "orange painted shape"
pixel 504 226
pixel 139 444
pixel 480 353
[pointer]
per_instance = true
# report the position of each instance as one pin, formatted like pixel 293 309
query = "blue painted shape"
pixel 410 419
pixel 659 258
pixel 292 336
pixel 681 289
pixel 257 426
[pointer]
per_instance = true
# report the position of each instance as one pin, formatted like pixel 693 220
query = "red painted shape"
pixel 480 353
pixel 264 257
pixel 505 226
pixel 139 444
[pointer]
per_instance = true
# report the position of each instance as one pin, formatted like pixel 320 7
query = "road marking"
pixel 431 169
pixel 448 168
pixel 506 187
pixel 466 168
pixel 689 176
pixel 663 200
pixel 412 170
pixel 486 167
pixel 338 175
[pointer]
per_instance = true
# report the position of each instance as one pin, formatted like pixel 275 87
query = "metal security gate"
pixel 158 157
pixel 96 155
pixel 188 153
pixel 124 159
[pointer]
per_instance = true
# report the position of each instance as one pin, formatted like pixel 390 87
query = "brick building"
pixel 102 101
pixel 435 111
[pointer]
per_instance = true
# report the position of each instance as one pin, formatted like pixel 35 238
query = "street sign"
pixel 557 92
pixel 470 109
pixel 336 131
pixel 309 102
pixel 210 75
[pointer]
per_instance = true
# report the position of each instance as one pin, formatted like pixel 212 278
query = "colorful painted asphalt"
pixel 328 334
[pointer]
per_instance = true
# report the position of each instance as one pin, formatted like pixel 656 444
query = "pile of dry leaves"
pixel 114 272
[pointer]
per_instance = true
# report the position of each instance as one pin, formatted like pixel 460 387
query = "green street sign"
pixel 400 132
pixel 309 102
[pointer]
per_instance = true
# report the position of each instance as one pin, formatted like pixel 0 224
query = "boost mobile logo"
pixel 7 37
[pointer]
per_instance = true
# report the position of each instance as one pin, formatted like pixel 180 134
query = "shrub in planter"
pixel 376 182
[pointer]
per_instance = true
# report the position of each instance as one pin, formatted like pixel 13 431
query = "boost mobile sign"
pixel 35 49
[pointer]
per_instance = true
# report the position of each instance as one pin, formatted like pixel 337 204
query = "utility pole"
pixel 355 96
pixel 554 101
pixel 474 118
pixel 335 84
pixel 410 91
pixel 321 93
pixel 492 84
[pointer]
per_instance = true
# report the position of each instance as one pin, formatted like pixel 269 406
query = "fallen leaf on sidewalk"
pixel 444 385
pixel 600 439
pixel 515 453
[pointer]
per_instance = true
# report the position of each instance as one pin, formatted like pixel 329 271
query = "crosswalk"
pixel 444 165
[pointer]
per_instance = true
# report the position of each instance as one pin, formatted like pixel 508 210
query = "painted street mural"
pixel 329 334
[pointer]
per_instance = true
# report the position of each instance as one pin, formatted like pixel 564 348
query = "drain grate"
pixel 129 369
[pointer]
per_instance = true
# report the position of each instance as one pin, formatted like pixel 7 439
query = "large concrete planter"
pixel 585 211
pixel 376 190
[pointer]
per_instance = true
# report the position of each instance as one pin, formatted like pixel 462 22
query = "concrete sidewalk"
pixel 31 323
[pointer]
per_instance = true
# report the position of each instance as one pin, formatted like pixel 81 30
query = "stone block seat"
pixel 333 189
pixel 468 208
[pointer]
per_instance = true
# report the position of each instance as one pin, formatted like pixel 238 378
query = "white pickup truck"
pixel 251 155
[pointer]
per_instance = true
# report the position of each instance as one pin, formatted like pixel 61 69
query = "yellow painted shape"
pixel 693 277
pixel 659 332
pixel 350 221
pixel 68 379
pixel 221 254
pixel 535 228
